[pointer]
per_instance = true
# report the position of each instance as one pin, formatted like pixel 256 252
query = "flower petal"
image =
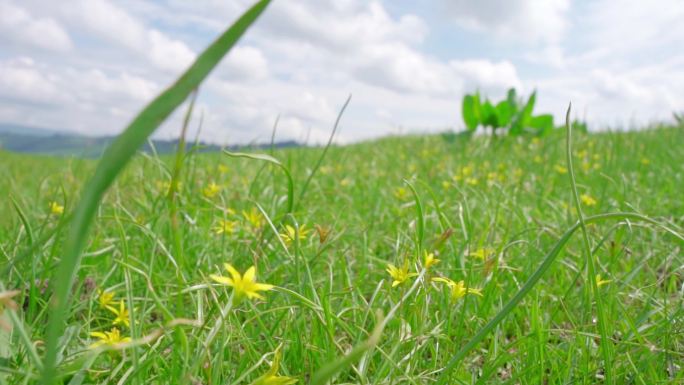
pixel 263 286
pixel 233 272
pixel 221 279
pixel 250 274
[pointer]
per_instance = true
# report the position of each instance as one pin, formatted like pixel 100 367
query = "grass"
pixel 113 278
pixel 477 194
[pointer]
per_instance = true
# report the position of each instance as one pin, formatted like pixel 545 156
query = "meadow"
pixel 433 259
pixel 489 209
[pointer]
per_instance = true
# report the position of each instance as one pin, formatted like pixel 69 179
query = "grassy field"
pixel 491 210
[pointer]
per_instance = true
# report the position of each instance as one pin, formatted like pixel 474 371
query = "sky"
pixel 88 66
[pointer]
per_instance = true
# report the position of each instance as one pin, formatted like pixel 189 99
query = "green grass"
pixel 508 194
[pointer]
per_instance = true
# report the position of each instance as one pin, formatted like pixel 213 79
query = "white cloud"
pixel 19 26
pixel 82 101
pixel 522 20
pixel 22 81
pixel 113 24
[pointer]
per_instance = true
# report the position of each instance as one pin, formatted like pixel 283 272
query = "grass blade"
pixel 268 158
pixel 603 330
pixel 117 155
pixel 534 279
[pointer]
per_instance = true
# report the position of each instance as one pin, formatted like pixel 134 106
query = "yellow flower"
pixel 254 218
pixel 458 289
pixel 271 377
pixel 471 181
pixel 588 200
pixel 399 274
pixel 121 314
pixel 600 282
pixel 482 253
pixel 560 169
pixel 165 186
pixel 345 182
pixel 223 168
pixel 430 260
pixel 105 298
pixel 243 285
pixel 109 338
pixel 211 190
pixel 401 193
pixel 56 208
pixel 225 226
pixel 290 233
pixel 538 159
pixel 645 161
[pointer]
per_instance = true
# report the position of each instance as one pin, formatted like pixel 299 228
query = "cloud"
pixel 113 24
pixel 519 20
pixel 18 26
pixel 92 102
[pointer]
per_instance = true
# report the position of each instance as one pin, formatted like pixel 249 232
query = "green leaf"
pixel 543 124
pixel 115 158
pixel 490 117
pixel 471 111
pixel 504 113
pixel 512 98
pixel 522 120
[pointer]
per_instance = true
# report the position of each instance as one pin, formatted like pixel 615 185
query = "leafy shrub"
pixel 514 115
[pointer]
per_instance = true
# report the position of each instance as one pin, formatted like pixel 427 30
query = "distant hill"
pixel 34 140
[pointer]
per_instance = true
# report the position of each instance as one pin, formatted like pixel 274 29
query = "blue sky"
pixel 89 65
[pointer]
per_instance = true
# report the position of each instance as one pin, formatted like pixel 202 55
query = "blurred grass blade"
pixel 325 150
pixel 270 159
pixel 117 155
pixel 324 374
pixel 420 219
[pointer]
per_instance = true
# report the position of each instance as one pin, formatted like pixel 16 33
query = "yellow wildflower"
pixel 471 181
pixel 243 285
pixel 56 208
pixel 105 298
pixel 429 260
pixel 121 314
pixel 109 338
pixel 560 169
pixel 225 226
pixel 588 200
pixel 399 274
pixel 271 377
pixel 482 253
pixel 538 159
pixel 211 190
pixel 254 218
pixel 345 182
pixel 223 168
pixel 290 233
pixel 600 282
pixel 458 289
pixel 401 193
pixel 645 161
